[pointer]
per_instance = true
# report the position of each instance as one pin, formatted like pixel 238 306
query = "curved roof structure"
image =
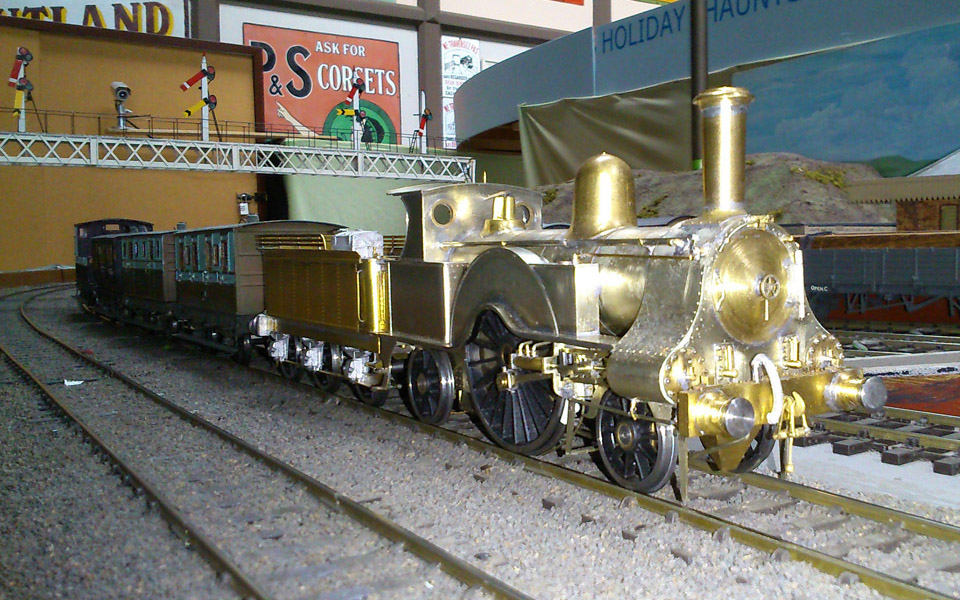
pixel 653 48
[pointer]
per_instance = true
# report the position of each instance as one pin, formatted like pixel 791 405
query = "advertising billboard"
pixel 308 76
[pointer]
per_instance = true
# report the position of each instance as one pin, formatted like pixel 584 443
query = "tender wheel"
pixel 525 418
pixel 244 352
pixel 291 368
pixel 639 455
pixel 428 387
pixel 760 448
pixel 332 361
pixel 369 395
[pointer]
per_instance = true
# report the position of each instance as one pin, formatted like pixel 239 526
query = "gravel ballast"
pixel 70 528
pixel 485 510
pixel 289 543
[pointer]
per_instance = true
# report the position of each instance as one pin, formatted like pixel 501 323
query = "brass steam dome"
pixel 603 197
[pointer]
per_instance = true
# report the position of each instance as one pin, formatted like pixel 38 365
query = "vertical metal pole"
pixel 22 121
pixel 357 127
pixel 423 134
pixel 786 458
pixel 205 111
pixel 698 75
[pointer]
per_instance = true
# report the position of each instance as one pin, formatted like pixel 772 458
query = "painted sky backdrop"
pixel 897 96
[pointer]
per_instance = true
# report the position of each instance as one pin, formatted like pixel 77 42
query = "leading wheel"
pixel 636 453
pixel 332 361
pixel 524 418
pixel 428 387
pixel 368 395
pixel 291 368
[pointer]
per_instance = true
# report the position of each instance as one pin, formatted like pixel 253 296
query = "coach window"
pixel 208 254
pixel 225 256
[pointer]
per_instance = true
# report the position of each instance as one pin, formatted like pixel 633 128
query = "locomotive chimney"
pixel 724 115
pixel 603 197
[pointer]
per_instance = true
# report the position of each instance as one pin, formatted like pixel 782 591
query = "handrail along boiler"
pixel 607 336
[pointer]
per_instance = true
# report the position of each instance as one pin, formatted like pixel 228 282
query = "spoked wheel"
pixel 428 387
pixel 332 361
pixel 638 454
pixel 244 350
pixel 760 448
pixel 524 418
pixel 291 368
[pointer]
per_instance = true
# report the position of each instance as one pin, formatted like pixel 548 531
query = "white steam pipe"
pixel 762 360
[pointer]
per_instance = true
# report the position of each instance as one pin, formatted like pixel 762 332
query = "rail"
pixel 217 559
pixel 882 582
pixel 456 567
pixel 857 425
pixel 768 543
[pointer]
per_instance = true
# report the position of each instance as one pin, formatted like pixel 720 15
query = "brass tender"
pixel 649 335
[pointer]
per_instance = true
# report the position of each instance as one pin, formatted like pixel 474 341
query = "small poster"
pixel 449 124
pixel 461 61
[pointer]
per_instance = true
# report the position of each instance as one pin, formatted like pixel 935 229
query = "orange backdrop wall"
pixel 72 72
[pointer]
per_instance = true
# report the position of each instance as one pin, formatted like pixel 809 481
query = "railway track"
pixel 901 436
pixel 877 343
pixel 242 500
pixel 730 509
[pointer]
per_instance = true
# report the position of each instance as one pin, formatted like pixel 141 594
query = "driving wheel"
pixel 525 417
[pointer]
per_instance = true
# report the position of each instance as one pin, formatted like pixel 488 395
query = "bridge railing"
pixel 150 126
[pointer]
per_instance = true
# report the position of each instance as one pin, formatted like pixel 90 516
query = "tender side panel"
pixel 316 287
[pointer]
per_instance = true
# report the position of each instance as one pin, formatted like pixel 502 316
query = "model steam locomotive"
pixel 625 339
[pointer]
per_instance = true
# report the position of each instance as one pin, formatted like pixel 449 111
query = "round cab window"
pixel 442 214
pixel 524 211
